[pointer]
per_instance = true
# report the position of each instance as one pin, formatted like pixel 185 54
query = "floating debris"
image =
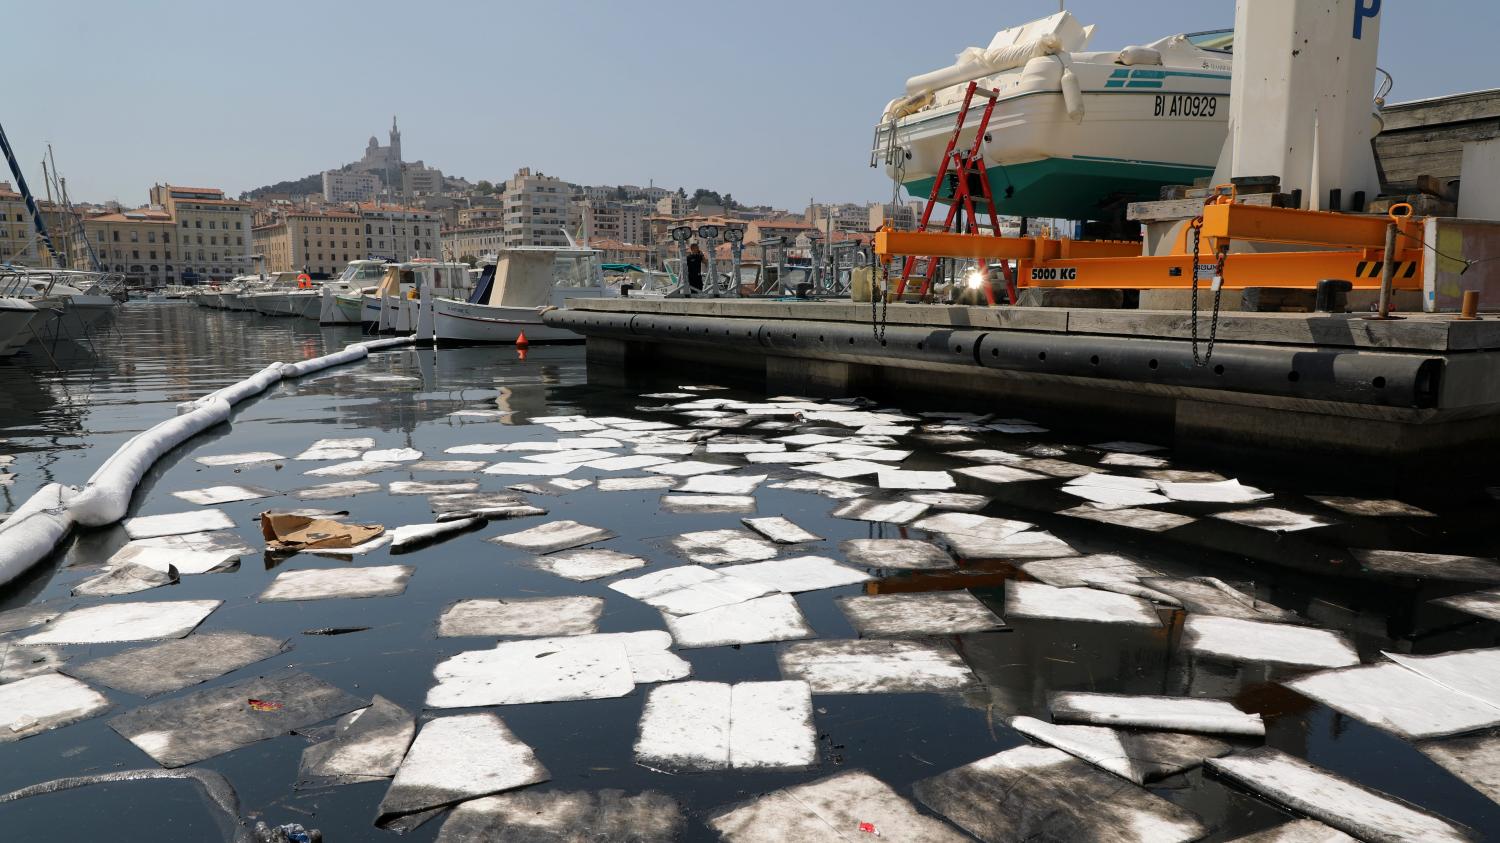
pixel 1241 640
pixel 124 579
pixel 718 547
pixel 587 564
pixel 708 503
pixel 188 729
pixel 1213 596
pixel 296 532
pixel 530 469
pixel 251 458
pixel 174 665
pixel 954 501
pixel 442 487
pixel 353 468
pixel 908 615
pixel 571 455
pixel 1132 461
pixel 41 703
pixel 1178 714
pixel 721 484
pixel 1031 544
pixel 454 759
pixel 177 523
pixel 1484 604
pixel 184 560
pixel 999 473
pixel 1372 507
pixel 410 536
pixel 875 667
pixel 771 618
pixel 798 573
pixel 584 667
pixel 1137 756
pixel 635 484
pixel 896 554
pixel 916 480
pixel 788 458
pixel 688 468
pixel 1226 491
pixel 1114 496
pixel 688 589
pixel 702 726
pixel 1106 571
pixel 835 808
pixel 123 622
pixel 560 815
pixel 465 466
pixel 26 617
pixel 521 617
pixel 1271 518
pixel 1298 831
pixel 628 462
pixel 835 489
pixel 1349 807
pixel 1040 601
pixel 20 662
pixel 881 511
pixel 1437 566
pixel 337 449
pixel 1040 793
pixel 553 536
pixel 1150 520
pixel 224 494
pixel 397 455
pixel 1474 759
pixel 366 745
pixel 780 530
pixel 336 583
pixel 336 490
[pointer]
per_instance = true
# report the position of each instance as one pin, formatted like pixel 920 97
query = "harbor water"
pixel 60 422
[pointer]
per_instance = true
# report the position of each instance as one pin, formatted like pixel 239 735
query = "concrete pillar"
pixel 830 378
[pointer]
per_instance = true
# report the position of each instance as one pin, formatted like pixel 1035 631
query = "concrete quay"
pixel 1308 389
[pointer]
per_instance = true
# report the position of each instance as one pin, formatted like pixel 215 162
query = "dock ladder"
pixel 964 186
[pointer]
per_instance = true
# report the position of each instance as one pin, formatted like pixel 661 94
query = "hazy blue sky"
pixel 773 101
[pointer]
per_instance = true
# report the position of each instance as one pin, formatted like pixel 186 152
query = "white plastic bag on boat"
pixel 106 497
pixel 34 529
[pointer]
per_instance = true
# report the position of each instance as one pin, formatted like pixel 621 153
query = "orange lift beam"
pixel 1352 249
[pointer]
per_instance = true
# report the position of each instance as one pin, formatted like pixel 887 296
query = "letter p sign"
pixel 1364 9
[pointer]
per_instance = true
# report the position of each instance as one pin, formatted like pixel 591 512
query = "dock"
pixel 1293 386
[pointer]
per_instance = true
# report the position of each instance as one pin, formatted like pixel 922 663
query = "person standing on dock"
pixel 695 268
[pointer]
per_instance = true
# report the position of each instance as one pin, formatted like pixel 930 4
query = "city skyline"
pixel 602 96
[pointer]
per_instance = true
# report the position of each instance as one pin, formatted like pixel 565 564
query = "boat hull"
pixel 461 323
pixel 1074 188
pixel 16 317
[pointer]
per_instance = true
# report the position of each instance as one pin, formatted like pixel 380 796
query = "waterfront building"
pixel 470 217
pixel 142 244
pixel 17 233
pixel 615 251
pixel 214 239
pixel 318 242
pixel 474 241
pixel 399 232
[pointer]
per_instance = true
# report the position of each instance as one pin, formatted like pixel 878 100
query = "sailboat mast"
pixel 36 214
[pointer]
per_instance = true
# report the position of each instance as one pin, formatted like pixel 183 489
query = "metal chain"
pixel 1213 324
pixel 1197 229
pixel 878 318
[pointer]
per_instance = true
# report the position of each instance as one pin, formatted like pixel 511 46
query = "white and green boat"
pixel 1075 133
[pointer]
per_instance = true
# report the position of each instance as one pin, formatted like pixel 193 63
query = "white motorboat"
pixel 286 294
pixel 16 318
pixel 356 277
pixel 511 298
pixel 391 305
pixel 1075 134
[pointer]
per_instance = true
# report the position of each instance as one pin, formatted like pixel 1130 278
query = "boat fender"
pixel 1072 94
pixel 106 497
pixel 34 529
pixel 1131 56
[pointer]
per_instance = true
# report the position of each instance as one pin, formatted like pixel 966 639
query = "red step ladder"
pixel 964 170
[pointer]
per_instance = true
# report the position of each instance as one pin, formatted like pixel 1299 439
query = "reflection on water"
pixel 61 423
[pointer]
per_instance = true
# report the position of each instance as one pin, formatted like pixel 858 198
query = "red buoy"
pixel 521 341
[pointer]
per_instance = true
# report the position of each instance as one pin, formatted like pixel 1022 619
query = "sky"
pixel 772 101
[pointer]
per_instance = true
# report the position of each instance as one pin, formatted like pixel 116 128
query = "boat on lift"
pixel 1075 133
pixel 513 294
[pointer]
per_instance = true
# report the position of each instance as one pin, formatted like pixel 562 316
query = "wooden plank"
pixel 1477 105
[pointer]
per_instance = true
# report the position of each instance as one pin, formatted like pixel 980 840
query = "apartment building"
pixel 340 186
pixel 318 242
pixel 214 239
pixel 902 217
pixel 613 219
pixel 399 233
pixel 618 252
pixel 536 209
pixel 143 244
pixel 17 239
pixel 849 218
pixel 474 241
pixel 469 217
